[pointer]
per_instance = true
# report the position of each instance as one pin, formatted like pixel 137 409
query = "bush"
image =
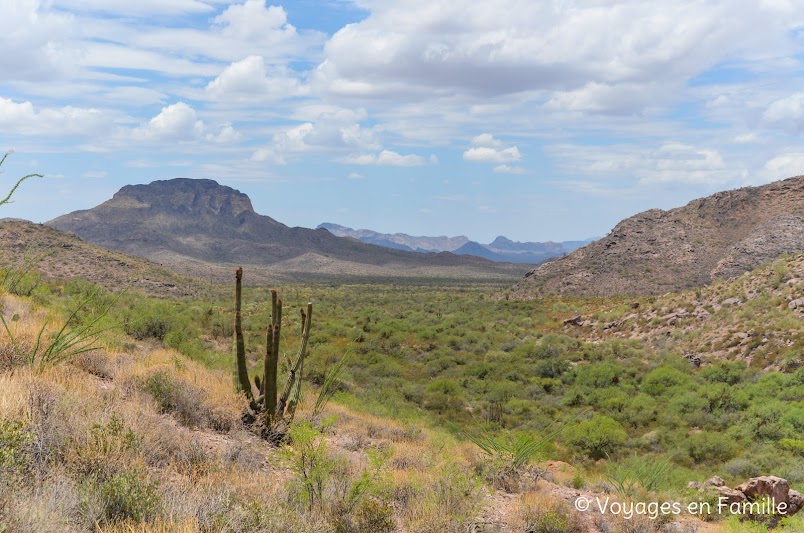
pixel 663 379
pixel 128 496
pixel 597 437
pixel 705 447
pixel 174 395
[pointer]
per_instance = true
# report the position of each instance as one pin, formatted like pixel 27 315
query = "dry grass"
pixel 151 441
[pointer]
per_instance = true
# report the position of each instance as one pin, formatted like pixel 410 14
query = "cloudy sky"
pixel 537 120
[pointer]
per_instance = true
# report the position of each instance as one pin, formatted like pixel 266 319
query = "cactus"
pixel 273 413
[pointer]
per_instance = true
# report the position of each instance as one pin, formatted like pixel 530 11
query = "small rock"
pixel 715 481
pixel 731 495
pixel 796 501
pixel 795 304
pixel 731 301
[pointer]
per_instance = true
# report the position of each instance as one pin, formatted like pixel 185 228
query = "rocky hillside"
pixel 199 225
pixel 719 236
pixel 25 246
pixel 757 318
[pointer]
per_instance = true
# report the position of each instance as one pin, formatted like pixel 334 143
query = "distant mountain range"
pixel 720 236
pixel 500 250
pixel 201 227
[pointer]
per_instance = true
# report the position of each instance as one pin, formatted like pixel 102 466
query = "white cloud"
pixel 508 169
pixel 746 138
pixel 596 54
pixel 25 119
pixel 486 139
pixel 329 129
pixel 786 113
pixel 176 122
pixel 38 44
pixel 487 149
pixel 671 162
pixel 227 135
pixel 485 154
pixel 622 98
pixel 267 155
pixel 249 81
pixel 783 166
pixel 386 158
pixel 355 176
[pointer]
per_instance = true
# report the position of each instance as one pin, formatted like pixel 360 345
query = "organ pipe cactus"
pixel 274 411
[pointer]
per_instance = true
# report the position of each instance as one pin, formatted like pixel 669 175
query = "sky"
pixel 537 120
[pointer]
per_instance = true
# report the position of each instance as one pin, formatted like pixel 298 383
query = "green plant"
pixel 7 199
pixel 309 463
pixel 64 343
pixel 13 440
pixel 637 477
pixel 128 496
pixel 274 413
pixel 597 437
pixel 329 385
pixel 515 452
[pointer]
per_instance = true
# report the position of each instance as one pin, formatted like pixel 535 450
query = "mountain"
pixel 400 241
pixel 199 226
pixel 720 236
pixel 500 250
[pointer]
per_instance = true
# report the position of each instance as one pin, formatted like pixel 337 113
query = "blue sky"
pixel 534 120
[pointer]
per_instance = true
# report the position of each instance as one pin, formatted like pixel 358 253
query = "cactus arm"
pixel 293 375
pixel 242 383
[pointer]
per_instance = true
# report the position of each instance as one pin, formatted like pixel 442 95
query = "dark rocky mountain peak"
pixel 184 196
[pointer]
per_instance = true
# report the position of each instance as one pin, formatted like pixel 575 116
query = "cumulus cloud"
pixel 38 44
pixel 386 158
pixel 328 130
pixel 588 53
pixel 783 166
pixel 176 122
pixel 249 81
pixel 487 149
pixel 786 113
pixel 23 118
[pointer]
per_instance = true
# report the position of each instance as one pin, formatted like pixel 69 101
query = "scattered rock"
pixel 715 481
pixel 796 304
pixel 574 321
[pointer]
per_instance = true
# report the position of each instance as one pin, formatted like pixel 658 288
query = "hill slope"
pixel 198 225
pixel 722 235
pixel 59 255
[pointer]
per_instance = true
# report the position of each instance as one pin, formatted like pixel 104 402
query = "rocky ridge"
pixel 657 251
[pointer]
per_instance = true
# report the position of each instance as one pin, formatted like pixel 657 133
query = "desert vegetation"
pixel 451 408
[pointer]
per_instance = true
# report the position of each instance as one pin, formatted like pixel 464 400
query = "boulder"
pixel 771 486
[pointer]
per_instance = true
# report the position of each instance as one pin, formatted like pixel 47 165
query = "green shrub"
pixel 705 447
pixel 14 439
pixel 174 395
pixel 663 379
pixel 128 496
pixel 596 438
